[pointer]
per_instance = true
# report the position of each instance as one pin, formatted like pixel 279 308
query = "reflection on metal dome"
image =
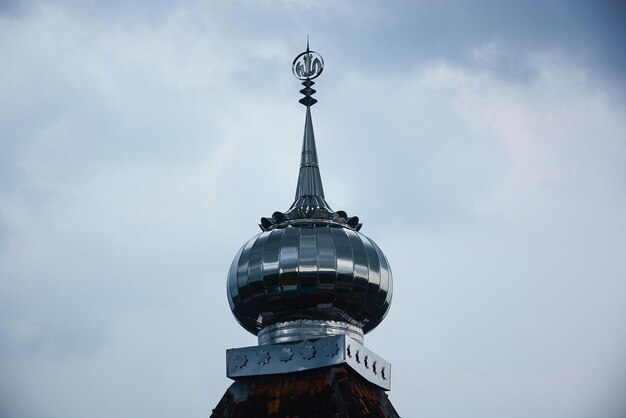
pixel 315 272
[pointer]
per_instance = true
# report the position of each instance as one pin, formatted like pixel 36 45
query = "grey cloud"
pixel 139 151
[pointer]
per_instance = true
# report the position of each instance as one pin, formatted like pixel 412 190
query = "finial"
pixel 307 66
pixel 309 205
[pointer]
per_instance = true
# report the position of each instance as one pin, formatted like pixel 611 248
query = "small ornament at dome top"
pixel 307 66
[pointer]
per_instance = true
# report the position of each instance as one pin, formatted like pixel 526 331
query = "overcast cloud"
pixel 482 143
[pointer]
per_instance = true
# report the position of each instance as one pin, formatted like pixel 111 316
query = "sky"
pixel 481 143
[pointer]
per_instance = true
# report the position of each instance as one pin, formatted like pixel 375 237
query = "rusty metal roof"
pixel 331 392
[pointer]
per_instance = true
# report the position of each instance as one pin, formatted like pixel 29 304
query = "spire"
pixel 309 192
pixel 309 204
pixel 309 179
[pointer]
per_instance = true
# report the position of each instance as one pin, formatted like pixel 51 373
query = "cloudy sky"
pixel 482 143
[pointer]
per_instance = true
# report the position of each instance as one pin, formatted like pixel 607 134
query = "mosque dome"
pixel 310 272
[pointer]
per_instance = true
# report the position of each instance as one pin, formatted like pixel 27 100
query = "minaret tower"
pixel 310 285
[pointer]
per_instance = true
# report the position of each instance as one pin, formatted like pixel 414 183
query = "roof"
pixel 331 392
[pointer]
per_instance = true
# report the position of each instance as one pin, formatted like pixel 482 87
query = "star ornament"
pixel 308 352
pixel 263 357
pixel 239 360
pixel 285 354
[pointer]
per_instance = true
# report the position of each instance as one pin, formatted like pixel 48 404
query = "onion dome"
pixel 310 272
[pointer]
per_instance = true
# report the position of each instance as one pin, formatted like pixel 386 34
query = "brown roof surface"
pixel 330 392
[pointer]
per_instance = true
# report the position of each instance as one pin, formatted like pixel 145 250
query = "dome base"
pixel 307 329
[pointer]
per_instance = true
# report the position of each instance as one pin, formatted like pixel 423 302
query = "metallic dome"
pixel 310 272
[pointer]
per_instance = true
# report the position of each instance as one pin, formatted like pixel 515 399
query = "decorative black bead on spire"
pixel 308 66
pixel 307 100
